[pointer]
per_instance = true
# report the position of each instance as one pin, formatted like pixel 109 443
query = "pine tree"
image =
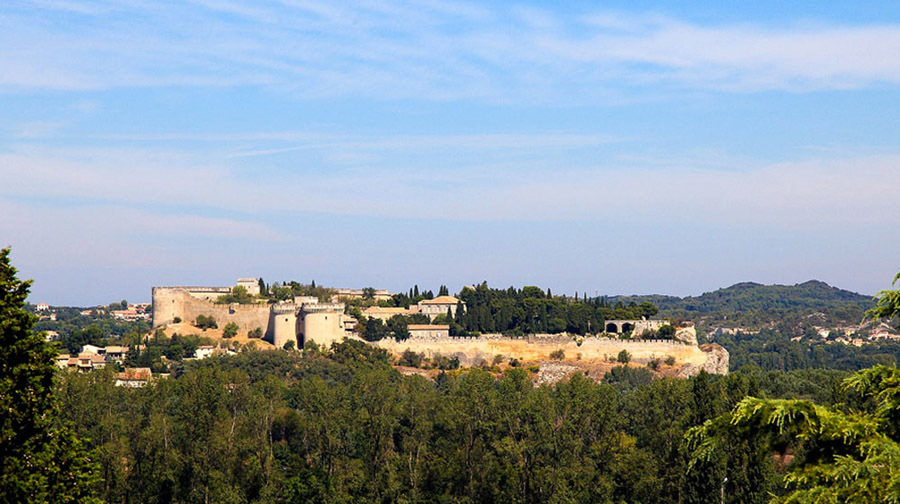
pixel 39 461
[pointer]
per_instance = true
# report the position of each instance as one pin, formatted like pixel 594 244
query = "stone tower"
pixel 284 324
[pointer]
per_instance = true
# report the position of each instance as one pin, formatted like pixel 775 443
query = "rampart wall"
pixel 171 302
pixel 473 350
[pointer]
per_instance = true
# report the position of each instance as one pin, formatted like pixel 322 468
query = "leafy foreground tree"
pixel 39 460
pixel 888 304
pixel 843 454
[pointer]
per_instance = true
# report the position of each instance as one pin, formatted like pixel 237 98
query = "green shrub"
pixel 230 331
pixel 666 332
pixel 204 322
pixel 411 359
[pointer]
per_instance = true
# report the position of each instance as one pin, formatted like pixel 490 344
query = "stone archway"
pixel 627 327
pixel 611 327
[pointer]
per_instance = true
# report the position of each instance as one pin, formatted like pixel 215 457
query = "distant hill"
pixel 754 304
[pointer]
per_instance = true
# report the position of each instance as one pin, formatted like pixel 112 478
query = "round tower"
pixel 285 325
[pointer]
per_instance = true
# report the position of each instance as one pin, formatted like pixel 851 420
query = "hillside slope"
pixel 753 304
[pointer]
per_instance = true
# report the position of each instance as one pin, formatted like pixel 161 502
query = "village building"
pixel 87 361
pixel 202 352
pixel 385 313
pixel 377 294
pixel 62 360
pixel 251 284
pixel 116 353
pixel 438 306
pixel 134 377
pixel 131 314
pixel 94 349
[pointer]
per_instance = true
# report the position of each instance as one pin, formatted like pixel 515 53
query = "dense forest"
pixel 346 427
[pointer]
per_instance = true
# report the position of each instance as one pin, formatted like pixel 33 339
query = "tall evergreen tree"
pixel 39 460
pixel 262 287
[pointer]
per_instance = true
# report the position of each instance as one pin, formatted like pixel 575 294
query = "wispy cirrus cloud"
pixel 427 50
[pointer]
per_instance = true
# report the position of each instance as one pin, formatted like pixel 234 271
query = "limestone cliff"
pixel 687 335
pixel 716 361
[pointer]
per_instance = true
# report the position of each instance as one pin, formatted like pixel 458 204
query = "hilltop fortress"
pixel 301 321
pixel 306 320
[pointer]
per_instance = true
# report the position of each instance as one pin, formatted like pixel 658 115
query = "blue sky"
pixel 613 148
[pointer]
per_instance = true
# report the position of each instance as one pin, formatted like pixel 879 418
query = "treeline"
pixel 512 311
pixel 101 333
pixel 287 290
pixel 76 330
pixel 281 427
pixel 532 310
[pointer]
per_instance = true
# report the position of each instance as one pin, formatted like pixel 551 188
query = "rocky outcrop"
pixel 686 335
pixel 551 373
pixel 716 362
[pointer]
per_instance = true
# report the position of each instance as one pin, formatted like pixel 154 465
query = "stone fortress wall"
pixel 474 350
pixel 306 320
pixel 299 322
pixel 187 303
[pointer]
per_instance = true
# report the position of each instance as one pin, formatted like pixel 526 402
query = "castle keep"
pixel 301 321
